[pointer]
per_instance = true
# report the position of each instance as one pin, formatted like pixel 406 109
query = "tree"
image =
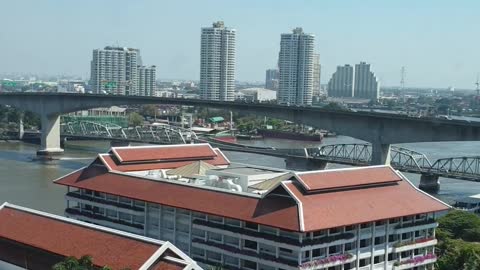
pixel 148 110
pixel 135 119
pixel 334 106
pixel 460 225
pixel 83 263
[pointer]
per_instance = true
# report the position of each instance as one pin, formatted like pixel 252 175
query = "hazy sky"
pixel 437 41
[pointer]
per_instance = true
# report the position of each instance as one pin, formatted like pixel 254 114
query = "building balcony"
pixel 415 262
pixel 328 262
pixel 237 232
pixel 416 226
pixel 99 202
pixel 246 254
pixel 409 245
pixel 103 220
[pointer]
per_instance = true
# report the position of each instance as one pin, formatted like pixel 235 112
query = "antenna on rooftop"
pixel 477 85
pixel 402 78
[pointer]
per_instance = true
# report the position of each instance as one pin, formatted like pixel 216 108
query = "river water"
pixel 27 182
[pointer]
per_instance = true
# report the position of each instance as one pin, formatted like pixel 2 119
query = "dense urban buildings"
pixel 341 83
pixel 296 64
pixel 366 83
pixel 31 239
pixel 271 79
pixel 217 62
pixel 117 71
pixel 249 217
pixel 359 82
pixel 316 74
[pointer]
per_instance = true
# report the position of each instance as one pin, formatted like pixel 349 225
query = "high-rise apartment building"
pixel 147 85
pixel 217 62
pixel 249 217
pixel 316 74
pixel 114 70
pixel 366 83
pixel 296 68
pixel 358 82
pixel 342 82
pixel 271 79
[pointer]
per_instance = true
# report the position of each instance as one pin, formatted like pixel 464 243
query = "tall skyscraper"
pixel 271 79
pixel 217 62
pixel 147 85
pixel 316 74
pixel 366 83
pixel 296 68
pixel 342 82
pixel 119 71
pixel 114 70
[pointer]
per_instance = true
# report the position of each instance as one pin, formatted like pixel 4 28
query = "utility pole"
pixel 402 79
pixel 477 85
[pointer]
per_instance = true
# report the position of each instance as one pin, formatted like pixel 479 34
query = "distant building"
pixel 217 62
pixel 147 85
pixel 31 239
pixel 296 68
pixel 316 74
pixel 342 82
pixel 271 79
pixel 250 217
pixel 257 94
pixel 117 71
pixel 366 83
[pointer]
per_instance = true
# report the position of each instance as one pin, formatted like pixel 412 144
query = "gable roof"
pixel 66 237
pixel 154 153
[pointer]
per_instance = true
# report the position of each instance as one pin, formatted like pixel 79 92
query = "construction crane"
pixel 477 85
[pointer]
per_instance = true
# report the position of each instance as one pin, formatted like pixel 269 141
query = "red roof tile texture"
pixel 165 153
pixel 66 239
pixel 276 212
pixel 347 178
pixel 355 206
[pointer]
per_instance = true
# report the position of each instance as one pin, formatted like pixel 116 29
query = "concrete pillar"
pixel 21 129
pixel 429 183
pixel 304 164
pixel 380 154
pixel 50 140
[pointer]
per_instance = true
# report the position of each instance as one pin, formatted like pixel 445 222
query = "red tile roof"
pixel 276 212
pixel 67 239
pixel 355 206
pixel 164 153
pixel 114 164
pixel 344 178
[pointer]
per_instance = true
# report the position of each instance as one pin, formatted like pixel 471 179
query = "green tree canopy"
pixel 460 225
pixel 135 119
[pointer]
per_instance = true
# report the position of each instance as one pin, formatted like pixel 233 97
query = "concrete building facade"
pixel 217 62
pixel 147 85
pixel 271 79
pixel 366 83
pixel 296 61
pixel 258 218
pixel 341 83
pixel 317 71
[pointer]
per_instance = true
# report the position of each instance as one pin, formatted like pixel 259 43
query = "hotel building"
pixel 249 217
pixel 31 239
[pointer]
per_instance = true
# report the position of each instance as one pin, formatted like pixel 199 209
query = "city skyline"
pixel 435 45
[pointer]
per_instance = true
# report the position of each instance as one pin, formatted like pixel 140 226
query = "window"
pixel 233 222
pixel 350 246
pixel 285 250
pixel 380 223
pixel 251 226
pixel 250 244
pixel 378 259
pixel 319 233
pixel 392 238
pixel 229 260
pixel 394 220
pixel 334 249
pixel 216 237
pixel 88 192
pixel 392 257
pixel 230 240
pixel 197 215
pixel 139 203
pixel 138 219
pixel 249 264
pixel 334 230
pixel 379 240
pixel 406 236
pixel 124 216
pixel 198 233
pixel 306 254
pixel 214 256
pixel 365 225
pixel 364 262
pixel 125 200
pixel 111 213
pixel 350 228
pixel 365 243
pixel 113 198
pixel 319 252
pixel 215 219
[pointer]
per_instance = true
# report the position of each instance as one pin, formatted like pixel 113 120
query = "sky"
pixel 437 41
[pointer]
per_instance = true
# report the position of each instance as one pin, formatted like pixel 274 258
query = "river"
pixel 28 183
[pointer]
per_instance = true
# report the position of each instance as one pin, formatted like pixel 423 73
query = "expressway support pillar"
pixel 380 154
pixel 21 129
pixel 429 183
pixel 50 140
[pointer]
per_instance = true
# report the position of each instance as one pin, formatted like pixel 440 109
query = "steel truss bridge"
pixel 402 159
pixel 161 134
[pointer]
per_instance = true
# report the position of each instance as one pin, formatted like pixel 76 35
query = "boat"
pixel 468 204
pixel 291 135
pixel 224 136
pixel 249 137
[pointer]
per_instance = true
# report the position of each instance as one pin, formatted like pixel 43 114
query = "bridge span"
pixel 381 130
